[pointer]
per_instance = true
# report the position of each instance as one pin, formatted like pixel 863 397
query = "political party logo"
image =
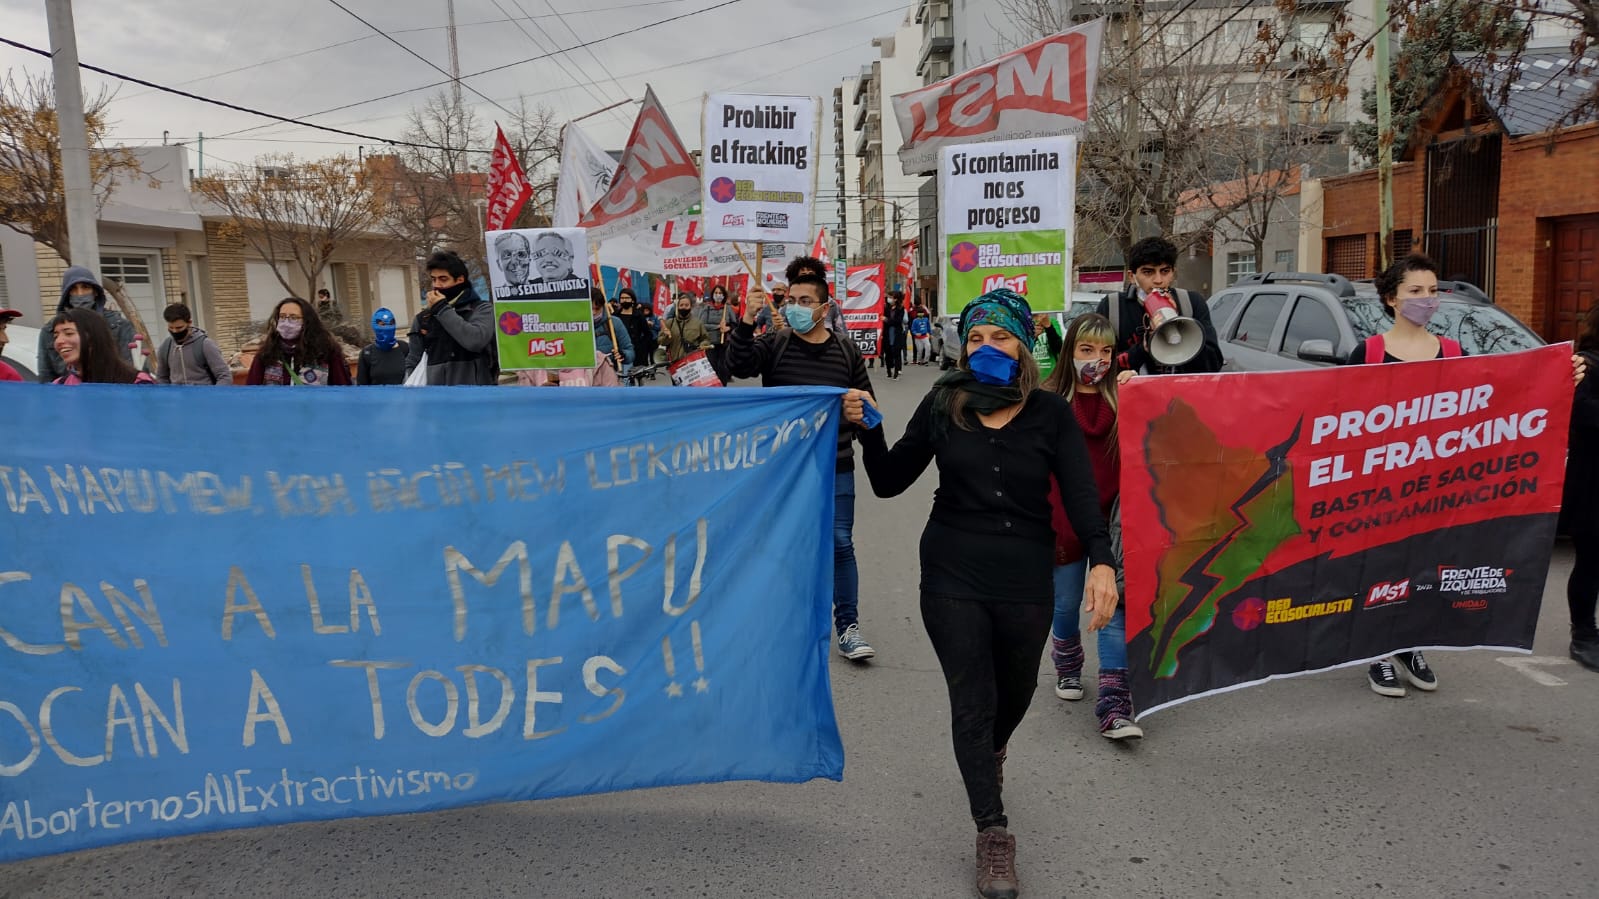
pixel 1387 594
pixel 1479 581
pixel 510 323
pixel 540 346
pixel 1249 614
pixel 732 220
pixel 771 220
pixel 722 190
pixel 1283 611
pixel 995 282
pixel 964 257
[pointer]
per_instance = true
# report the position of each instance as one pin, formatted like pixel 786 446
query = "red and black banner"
pixel 1290 522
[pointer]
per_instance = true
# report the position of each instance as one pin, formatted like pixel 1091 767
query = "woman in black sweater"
pixel 1582 505
pixel 987 553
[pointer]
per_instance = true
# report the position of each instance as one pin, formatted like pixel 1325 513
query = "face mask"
pixel 799 318
pixel 289 329
pixel 450 293
pixel 992 366
pixel 1419 310
pixel 1092 371
pixel 81 301
pixel 385 337
pixel 179 336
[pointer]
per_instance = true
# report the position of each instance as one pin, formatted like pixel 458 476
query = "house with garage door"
pixel 166 244
pixel 1498 184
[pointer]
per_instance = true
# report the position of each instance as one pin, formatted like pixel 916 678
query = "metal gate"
pixel 1463 207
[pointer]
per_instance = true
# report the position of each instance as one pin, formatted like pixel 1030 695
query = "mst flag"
pixel 656 179
pixel 508 187
pixel 1289 522
pixel 1041 90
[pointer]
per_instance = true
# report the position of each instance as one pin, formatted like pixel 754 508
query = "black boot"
pixel 1585 650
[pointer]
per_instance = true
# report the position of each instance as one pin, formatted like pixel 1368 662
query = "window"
pixel 1403 241
pixel 1285 261
pixel 1240 31
pixel 1258 319
pixel 1347 256
pixel 1221 308
pixel 1239 94
pixel 1177 35
pixel 1312 35
pixel 1239 265
pixel 1310 320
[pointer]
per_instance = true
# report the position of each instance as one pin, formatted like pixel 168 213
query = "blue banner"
pixel 236 608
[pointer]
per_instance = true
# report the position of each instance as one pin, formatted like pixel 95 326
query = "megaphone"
pixel 1174 338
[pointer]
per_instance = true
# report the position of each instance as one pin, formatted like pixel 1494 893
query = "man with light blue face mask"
pixel 383 360
pixel 805 354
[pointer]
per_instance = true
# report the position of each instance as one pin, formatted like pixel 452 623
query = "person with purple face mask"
pixel 1409 293
pixel 298 351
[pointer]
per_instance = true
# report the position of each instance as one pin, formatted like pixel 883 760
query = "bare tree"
pixel 32 190
pixel 1184 100
pixel 435 191
pixel 296 211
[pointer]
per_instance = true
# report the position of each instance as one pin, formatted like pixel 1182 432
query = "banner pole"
pixel 737 248
pixel 605 307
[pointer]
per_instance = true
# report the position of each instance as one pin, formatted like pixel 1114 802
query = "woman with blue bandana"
pixel 987 553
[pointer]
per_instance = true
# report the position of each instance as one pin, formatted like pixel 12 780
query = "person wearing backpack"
pixel 188 357
pixel 807 354
pixel 1153 264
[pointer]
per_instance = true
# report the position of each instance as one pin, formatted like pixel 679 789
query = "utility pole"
pixel 1385 140
pixel 83 236
pixel 455 55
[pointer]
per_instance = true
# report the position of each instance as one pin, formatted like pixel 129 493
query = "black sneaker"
pixel 1069 687
pixel 1586 652
pixel 1384 679
pixel 1415 669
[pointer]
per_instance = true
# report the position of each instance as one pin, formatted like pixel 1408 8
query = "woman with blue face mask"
pixel 987 553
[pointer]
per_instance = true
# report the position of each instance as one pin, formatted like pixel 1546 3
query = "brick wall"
pixel 52 269
pixel 1349 207
pixel 1540 180
pixel 228 292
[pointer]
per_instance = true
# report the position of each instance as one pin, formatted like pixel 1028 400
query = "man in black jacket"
pixel 456 330
pixel 1153 264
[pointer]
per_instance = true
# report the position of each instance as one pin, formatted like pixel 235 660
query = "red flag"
pixel 663 298
pixel 819 249
pixel 508 187
pixel 906 270
pixel 655 180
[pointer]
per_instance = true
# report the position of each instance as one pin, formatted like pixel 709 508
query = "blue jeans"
pixel 1069 581
pixel 846 576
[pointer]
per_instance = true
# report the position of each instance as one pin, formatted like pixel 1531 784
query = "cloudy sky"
pixel 305 58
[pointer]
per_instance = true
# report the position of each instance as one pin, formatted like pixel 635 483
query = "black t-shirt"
pixel 990 536
pixel 1358 357
pixel 382 366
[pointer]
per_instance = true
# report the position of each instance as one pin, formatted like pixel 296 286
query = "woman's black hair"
pixel 314 345
pixel 1388 281
pixel 99 358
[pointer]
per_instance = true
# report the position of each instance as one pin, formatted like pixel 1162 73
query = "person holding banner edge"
pixel 987 551
pixel 803 354
pixel 1582 506
pixel 1409 293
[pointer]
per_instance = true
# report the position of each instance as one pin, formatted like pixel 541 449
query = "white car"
pixel 22 350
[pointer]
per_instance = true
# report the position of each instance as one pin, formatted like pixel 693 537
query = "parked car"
pixel 1277 321
pixel 22 350
pixel 946 328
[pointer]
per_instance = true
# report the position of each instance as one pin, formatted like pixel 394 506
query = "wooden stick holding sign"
pixel 744 259
pixel 605 307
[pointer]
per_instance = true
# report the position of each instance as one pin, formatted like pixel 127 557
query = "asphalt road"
pixel 1312 787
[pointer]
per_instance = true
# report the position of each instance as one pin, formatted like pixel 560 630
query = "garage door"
pixel 395 291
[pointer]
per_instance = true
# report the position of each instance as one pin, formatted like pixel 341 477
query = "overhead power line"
pixel 425 61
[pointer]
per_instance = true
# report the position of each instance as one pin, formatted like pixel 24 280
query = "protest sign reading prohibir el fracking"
pixel 1289 522
pixel 760 167
pixel 469 610
pixel 1006 217
pixel 540 283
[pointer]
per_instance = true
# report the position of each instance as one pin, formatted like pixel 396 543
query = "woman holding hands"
pixel 987 552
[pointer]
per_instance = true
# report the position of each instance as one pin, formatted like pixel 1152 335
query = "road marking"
pixel 1530 666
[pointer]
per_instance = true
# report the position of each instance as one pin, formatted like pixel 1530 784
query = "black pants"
pixel 989 652
pixel 1581 519
pixel 893 357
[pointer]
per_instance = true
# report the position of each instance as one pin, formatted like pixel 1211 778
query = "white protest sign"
pixel 759 164
pixel 1006 216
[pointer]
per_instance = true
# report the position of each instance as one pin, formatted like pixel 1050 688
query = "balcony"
pixel 863 84
pixel 938 42
pixel 866 112
pixel 871 137
pixel 931 11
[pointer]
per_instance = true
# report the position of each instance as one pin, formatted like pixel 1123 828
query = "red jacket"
pixel 7 373
pixel 1098 422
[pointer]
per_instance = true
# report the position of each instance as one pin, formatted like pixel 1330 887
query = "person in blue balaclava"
pixel 383 360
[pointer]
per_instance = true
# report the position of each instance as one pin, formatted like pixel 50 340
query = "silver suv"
pixel 1277 321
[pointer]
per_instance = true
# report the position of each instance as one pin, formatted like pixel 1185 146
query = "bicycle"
pixel 642 373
